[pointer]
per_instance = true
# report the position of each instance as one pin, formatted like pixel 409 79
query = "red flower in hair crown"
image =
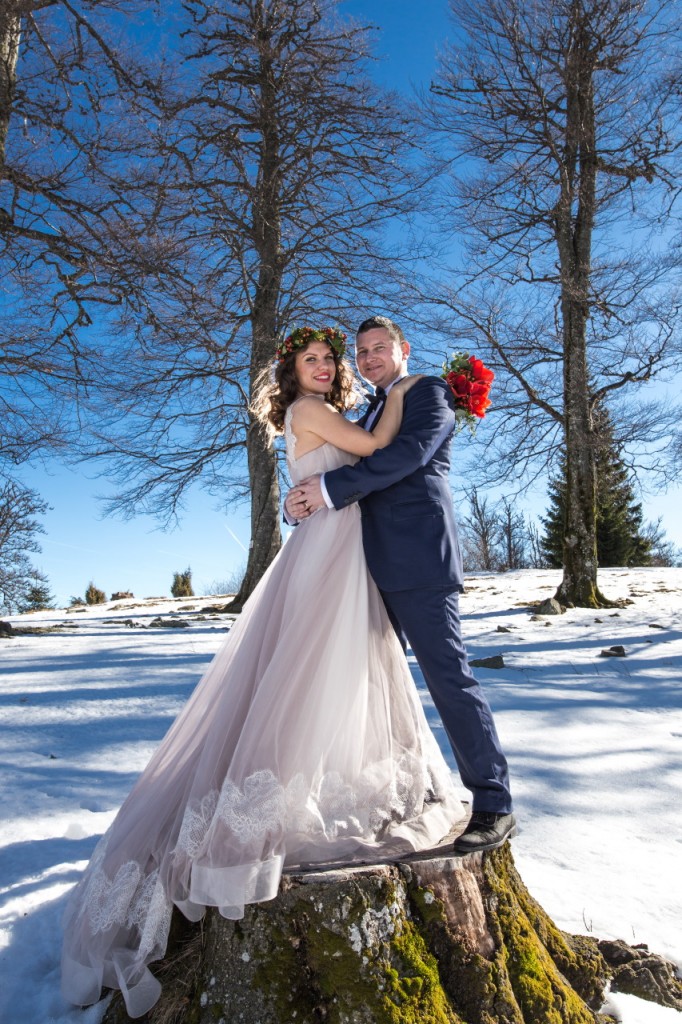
pixel 301 336
pixel 469 380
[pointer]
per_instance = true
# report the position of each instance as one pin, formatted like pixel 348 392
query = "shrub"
pixel 182 584
pixel 94 596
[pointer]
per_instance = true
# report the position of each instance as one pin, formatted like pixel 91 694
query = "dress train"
pixel 304 743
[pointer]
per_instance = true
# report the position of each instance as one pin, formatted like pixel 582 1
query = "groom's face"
pixel 379 357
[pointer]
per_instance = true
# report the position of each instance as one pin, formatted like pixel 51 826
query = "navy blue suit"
pixel 412 550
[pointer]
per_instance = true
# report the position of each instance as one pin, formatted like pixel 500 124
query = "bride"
pixel 304 743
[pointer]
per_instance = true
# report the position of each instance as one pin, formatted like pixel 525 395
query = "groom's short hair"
pixel 372 322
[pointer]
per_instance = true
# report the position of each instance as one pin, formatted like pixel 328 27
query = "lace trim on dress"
pixel 263 807
pixel 258 809
pixel 196 822
pixel 290 438
pixel 130 900
pixel 109 901
pixel 336 808
pixel 151 914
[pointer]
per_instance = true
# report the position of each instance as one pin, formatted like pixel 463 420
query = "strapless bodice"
pixel 319 460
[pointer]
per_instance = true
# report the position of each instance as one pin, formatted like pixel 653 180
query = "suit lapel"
pixel 362 422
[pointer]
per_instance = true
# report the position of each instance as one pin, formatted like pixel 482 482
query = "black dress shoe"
pixel 485 831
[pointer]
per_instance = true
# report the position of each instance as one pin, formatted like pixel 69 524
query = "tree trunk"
pixel 579 583
pixel 10 33
pixel 266 535
pixel 574 220
pixel 437 939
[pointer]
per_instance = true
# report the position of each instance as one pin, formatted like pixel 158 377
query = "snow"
pixel 593 743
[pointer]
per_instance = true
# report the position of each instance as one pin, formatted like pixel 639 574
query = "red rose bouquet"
pixel 469 380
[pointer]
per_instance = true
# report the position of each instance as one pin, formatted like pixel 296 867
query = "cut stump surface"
pixel 433 939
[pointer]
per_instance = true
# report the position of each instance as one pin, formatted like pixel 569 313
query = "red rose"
pixel 479 390
pixel 479 407
pixel 480 371
pixel 469 380
pixel 479 398
pixel 459 384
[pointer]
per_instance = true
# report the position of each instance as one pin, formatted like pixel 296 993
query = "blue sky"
pixel 81 545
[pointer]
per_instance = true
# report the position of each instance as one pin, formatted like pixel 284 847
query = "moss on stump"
pixel 438 939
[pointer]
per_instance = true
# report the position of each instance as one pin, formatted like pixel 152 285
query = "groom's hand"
pixel 309 495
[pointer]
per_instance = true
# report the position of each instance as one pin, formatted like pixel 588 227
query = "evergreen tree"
pixel 552 543
pixel 182 584
pixel 37 597
pixel 621 536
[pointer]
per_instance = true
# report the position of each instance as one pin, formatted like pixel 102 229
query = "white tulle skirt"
pixel 305 742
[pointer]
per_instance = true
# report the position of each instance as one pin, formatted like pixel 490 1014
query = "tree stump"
pixel 434 939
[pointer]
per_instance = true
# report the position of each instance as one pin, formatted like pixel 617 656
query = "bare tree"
pixel 663 552
pixel 19 526
pixel 78 252
pixel 564 116
pixel 513 535
pixel 161 225
pixel 280 164
pixel 481 534
pixel 494 536
pixel 535 555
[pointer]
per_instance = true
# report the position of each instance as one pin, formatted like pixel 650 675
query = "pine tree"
pixel 552 543
pixel 621 536
pixel 37 597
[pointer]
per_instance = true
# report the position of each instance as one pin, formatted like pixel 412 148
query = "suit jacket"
pixel 408 521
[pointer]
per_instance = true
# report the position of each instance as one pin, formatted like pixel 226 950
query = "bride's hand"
pixel 404 385
pixel 296 506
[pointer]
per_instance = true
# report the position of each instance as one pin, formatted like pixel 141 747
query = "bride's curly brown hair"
pixel 275 393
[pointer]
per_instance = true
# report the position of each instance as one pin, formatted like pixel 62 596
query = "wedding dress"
pixel 304 743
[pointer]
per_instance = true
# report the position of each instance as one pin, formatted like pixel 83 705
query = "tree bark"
pixel 266 536
pixel 436 939
pixel 574 226
pixel 10 32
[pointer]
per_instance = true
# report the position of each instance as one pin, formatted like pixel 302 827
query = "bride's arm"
pixel 311 416
pixel 392 416
pixel 317 418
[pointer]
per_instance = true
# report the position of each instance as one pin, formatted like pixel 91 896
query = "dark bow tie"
pixel 373 400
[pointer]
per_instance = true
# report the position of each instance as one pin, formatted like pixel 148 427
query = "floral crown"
pixel 301 336
pixel 469 380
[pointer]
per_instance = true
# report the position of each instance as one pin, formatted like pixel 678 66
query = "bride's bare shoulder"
pixel 309 409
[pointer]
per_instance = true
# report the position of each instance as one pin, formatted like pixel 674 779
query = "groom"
pixel 412 550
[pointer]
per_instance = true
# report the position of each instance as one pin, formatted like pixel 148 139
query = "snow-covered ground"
pixel 594 745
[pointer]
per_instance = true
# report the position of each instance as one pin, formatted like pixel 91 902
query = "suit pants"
pixel 428 620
